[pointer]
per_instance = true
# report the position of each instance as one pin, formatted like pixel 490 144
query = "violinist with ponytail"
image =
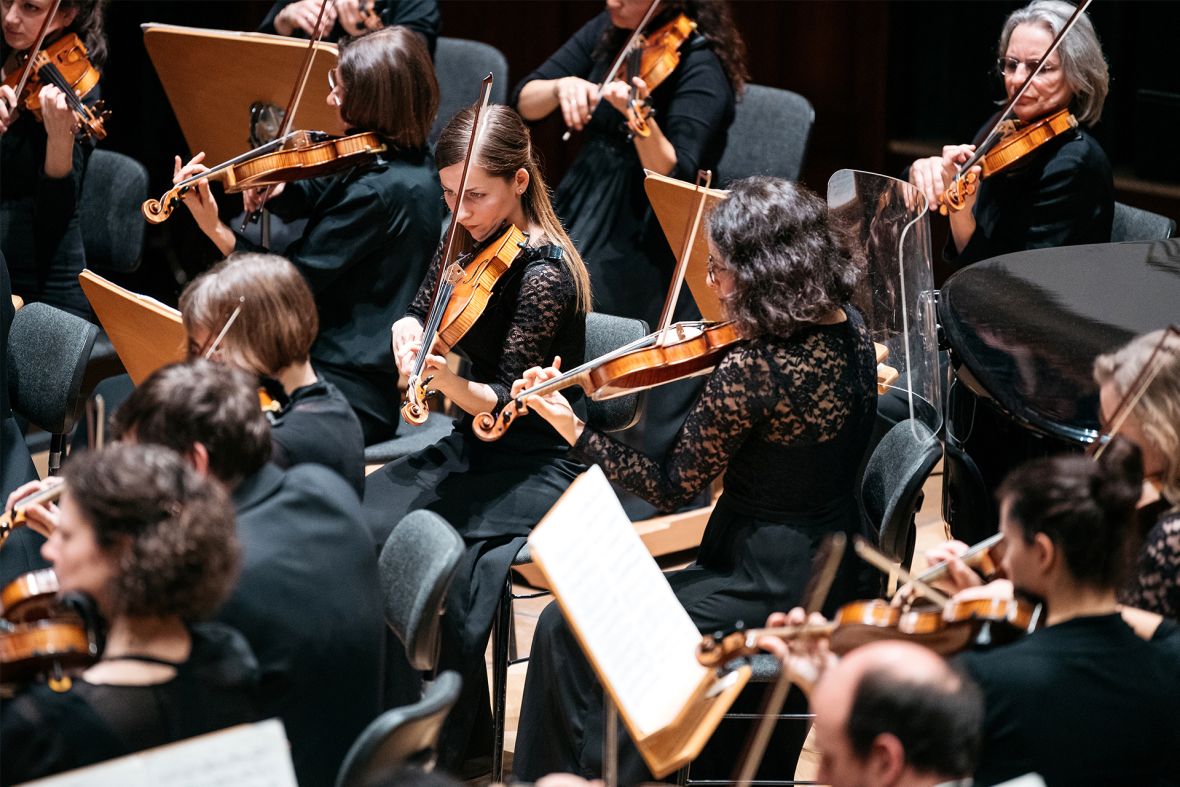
pixel 370 229
pixel 492 493
pixel 1059 194
pixel 43 161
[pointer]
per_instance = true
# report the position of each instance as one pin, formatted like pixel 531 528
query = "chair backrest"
pixel 113 189
pixel 967 505
pixel 891 491
pixel 47 354
pixel 605 332
pixel 401 736
pixel 1138 224
pixel 460 65
pixel 768 136
pixel 416 566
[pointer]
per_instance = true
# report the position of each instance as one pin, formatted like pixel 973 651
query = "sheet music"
pixel 642 640
pixel 249 755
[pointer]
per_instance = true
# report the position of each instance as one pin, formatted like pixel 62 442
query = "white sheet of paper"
pixel 643 641
pixel 249 755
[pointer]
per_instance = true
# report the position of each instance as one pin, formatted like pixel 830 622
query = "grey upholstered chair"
pixel 47 353
pixel 112 228
pixel 891 490
pixel 1137 224
pixel 416 567
pixel 460 65
pixel 768 136
pixel 406 736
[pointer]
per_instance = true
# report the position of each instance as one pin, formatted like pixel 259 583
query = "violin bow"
pixel 225 328
pixel 27 70
pixel 878 560
pixel 296 98
pixel 1135 392
pixel 622 56
pixel 824 568
pixel 704 179
pixel 994 135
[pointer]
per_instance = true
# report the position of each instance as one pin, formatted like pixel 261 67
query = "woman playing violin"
pixel 492 493
pixel 601 199
pixel 1061 193
pixel 271 336
pixel 1153 424
pixel 370 230
pixel 152 543
pixel 785 416
pixel 353 18
pixel 42 162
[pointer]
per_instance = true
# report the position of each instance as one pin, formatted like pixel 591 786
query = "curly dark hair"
pixel 170 530
pixel 1086 507
pixel 203 402
pixel 88 24
pixel 788 271
pixel 714 24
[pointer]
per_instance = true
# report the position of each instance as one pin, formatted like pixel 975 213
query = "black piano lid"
pixel 1029 325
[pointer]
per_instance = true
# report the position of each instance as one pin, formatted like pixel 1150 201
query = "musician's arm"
pixel 699 109
pixel 536 95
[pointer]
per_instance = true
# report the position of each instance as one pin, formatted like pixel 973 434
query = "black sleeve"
pixel 736 395
pixel 421 16
pixel 1155 585
pixel 268 23
pixel 696 111
pixel 420 307
pixel 56 203
pixel 575 58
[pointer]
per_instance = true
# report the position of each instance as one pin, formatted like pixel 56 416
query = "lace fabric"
pixel 1156 584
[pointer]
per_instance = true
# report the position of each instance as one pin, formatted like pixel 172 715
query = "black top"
pixel 1156 583
pixel 1028 325
pixel 601 199
pixel 1082 702
pixel 1062 194
pixel 308 601
pixel 786 420
pixel 369 236
pixel 317 426
pixel 45 732
pixel 531 316
pixel 421 16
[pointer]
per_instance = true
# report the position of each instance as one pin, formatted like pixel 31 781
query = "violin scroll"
pixel 157 211
pixel 954 199
pixel 489 427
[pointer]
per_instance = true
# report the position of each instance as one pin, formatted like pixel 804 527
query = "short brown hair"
pixel 389 86
pixel 170 530
pixel 200 402
pixel 278 322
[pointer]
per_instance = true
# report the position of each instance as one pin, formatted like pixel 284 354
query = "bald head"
pixel 891 711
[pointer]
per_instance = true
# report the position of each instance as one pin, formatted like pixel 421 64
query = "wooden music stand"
pixel 675 204
pixel 636 635
pixel 145 333
pixel 212 77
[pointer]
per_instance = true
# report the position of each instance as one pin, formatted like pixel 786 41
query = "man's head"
pixel 894 713
pixel 207 412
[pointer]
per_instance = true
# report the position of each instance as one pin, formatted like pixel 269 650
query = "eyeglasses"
pixel 332 79
pixel 1008 66
pixel 712 268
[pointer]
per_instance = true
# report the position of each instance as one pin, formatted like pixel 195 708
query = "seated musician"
pixel 889 714
pixel 271 337
pixel 307 599
pixel 1083 700
pixel 152 542
pixel 353 18
pixel 371 229
pixel 785 416
pixel 1153 423
pixel 1060 194
pixel 42 163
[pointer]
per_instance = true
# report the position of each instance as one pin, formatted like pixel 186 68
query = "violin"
pixel 1011 147
pixel 30 596
pixel 40 636
pixel 294 156
pixel 462 291
pixel 64 64
pixel 653 58
pixel 10 520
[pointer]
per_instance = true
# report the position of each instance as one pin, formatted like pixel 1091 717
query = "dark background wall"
pixel 889 81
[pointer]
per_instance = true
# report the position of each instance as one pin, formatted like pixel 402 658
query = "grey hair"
pixel 1082 60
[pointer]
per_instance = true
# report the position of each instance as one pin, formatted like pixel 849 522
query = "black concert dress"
pixel 46 732
pixel 316 426
pixel 1061 194
pixel 367 244
pixel 1156 583
pixel 491 493
pixel 603 205
pixel 787 422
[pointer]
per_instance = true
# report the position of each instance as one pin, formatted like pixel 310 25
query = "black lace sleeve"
pixel 1156 584
pixel 547 299
pixel 420 306
pixel 737 395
